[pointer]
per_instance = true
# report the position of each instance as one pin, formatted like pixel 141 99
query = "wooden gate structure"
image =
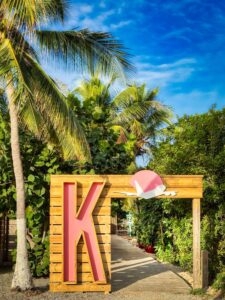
pixel 80 218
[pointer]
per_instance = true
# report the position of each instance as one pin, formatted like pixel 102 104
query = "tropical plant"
pixel 108 157
pixel 195 145
pixel 40 160
pixel 7 188
pixel 134 113
pixel 139 116
pixel 34 98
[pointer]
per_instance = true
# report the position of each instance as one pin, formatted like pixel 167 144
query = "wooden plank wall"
pixel 102 222
pixel 185 186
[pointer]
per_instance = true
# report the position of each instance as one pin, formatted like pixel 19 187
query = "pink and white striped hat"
pixel 148 185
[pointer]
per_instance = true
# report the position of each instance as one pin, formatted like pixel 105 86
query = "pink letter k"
pixel 81 223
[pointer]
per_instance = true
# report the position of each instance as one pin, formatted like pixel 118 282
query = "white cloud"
pixel 102 22
pixel 77 11
pixel 86 8
pixel 181 33
pixel 162 75
pixel 88 16
pixel 170 79
pixel 194 101
pixel 98 23
pixel 120 24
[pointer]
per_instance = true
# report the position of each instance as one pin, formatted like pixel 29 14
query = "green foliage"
pixel 195 145
pixel 39 257
pixel 146 220
pixel 117 209
pixel 40 161
pixel 7 187
pixel 108 156
pixel 174 242
pixel 200 292
pixel 219 283
pixel 165 253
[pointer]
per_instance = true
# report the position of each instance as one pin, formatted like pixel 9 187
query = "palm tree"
pixel 134 112
pixel 95 95
pixel 138 114
pixel 33 97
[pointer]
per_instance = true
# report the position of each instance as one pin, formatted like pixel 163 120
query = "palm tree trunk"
pixel 22 279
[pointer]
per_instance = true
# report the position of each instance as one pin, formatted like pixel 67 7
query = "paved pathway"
pixel 135 270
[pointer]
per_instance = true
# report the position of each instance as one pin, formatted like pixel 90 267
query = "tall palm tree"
pixel 34 98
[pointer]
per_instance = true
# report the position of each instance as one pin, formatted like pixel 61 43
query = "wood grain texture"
pixel 101 217
pixel 196 212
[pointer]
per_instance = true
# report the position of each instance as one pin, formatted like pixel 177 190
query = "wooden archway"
pixel 80 219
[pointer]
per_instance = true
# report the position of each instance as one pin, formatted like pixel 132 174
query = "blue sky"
pixel 177 46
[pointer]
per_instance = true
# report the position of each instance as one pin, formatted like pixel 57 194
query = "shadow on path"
pixel 135 270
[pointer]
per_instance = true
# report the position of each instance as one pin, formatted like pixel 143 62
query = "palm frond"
pixel 85 49
pixel 30 13
pixel 51 105
pixel 137 111
pixel 55 10
pixel 137 128
pixel 125 98
pixel 19 43
pixel 10 70
pixel 94 89
pixel 20 12
pixel 3 104
pixel 128 115
pixel 32 119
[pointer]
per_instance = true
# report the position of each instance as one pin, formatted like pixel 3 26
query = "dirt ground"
pixel 42 293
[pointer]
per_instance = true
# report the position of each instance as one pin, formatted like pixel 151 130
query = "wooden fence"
pixel 7 239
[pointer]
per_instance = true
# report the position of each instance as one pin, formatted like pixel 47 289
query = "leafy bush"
pixel 219 282
pixel 195 145
pixel 165 253
pixel 40 161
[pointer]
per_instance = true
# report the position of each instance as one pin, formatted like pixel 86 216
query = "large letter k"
pixel 77 224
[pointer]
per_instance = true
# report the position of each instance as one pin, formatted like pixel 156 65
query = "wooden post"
pixel 204 265
pixel 196 211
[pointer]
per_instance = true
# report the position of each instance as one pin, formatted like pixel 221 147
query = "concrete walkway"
pixel 134 270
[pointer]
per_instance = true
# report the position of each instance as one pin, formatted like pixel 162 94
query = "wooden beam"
pixel 196 212
pixel 185 186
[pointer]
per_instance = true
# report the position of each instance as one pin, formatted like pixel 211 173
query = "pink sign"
pixel 77 224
